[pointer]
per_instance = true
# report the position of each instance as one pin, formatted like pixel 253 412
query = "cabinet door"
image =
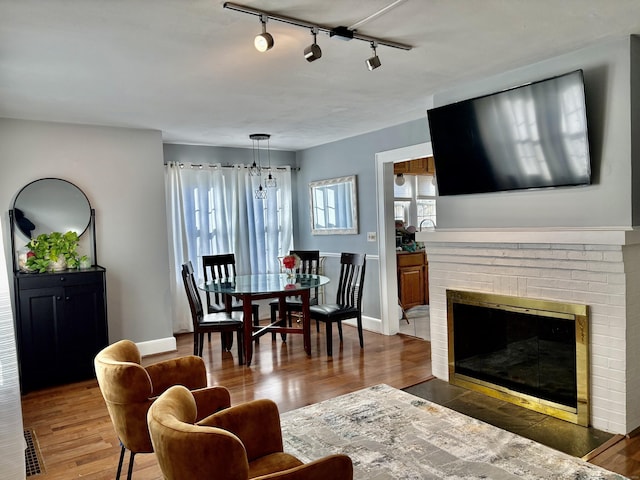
pixel 40 313
pixel 81 331
pixel 411 286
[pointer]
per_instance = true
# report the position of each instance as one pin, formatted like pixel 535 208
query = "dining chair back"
pixel 309 263
pixel 348 298
pixel 223 266
pixel 223 322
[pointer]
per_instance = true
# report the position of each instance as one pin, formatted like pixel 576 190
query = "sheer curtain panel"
pixel 213 210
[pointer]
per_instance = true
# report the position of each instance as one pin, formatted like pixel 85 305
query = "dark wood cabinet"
pixel 61 323
pixel 413 280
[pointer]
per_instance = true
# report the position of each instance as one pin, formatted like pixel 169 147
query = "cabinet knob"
pixel 58 298
pixel 67 298
pixel 62 279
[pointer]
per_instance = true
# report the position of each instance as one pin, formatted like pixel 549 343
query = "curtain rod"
pixel 213 165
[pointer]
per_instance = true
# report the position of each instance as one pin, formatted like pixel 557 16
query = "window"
pixel 415 201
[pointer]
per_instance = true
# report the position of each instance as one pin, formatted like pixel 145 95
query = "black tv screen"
pixel 530 136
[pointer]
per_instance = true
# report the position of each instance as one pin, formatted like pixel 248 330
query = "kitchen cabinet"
pixel 417 166
pixel 413 279
pixel 61 324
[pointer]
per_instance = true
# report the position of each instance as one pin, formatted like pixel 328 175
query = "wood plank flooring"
pixel 76 438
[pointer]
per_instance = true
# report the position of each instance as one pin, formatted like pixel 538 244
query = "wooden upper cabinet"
pixel 417 166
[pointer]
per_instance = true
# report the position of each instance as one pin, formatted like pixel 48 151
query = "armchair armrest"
pixel 336 467
pixel 211 400
pixel 255 423
pixel 189 371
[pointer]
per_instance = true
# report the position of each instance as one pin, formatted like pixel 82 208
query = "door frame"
pixel 390 320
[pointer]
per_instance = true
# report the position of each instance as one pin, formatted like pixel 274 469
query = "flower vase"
pixel 58 265
pixel 291 273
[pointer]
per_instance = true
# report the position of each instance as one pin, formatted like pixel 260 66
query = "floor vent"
pixel 32 458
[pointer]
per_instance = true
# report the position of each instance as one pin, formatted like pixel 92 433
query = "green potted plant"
pixel 52 251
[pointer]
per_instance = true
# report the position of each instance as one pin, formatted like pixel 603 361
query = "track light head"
pixel 313 51
pixel 373 62
pixel 263 41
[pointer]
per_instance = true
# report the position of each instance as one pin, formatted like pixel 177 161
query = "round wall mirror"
pixel 51 205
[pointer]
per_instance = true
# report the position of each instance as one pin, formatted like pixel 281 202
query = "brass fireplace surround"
pixel 567 311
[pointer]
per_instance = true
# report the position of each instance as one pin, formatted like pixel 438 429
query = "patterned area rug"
pixel 391 434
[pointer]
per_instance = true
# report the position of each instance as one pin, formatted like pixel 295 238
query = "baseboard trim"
pixel 161 345
pixel 368 323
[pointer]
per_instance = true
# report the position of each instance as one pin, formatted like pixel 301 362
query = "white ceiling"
pixel 189 69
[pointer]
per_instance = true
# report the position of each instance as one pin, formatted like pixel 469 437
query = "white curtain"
pixel 12 442
pixel 213 210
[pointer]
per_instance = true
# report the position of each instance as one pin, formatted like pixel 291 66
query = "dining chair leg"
pixel 195 343
pixel 240 342
pixel 360 331
pixel 200 344
pixel 274 312
pixel 339 322
pixel 329 339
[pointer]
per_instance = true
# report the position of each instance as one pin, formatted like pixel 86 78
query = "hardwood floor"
pixel 76 438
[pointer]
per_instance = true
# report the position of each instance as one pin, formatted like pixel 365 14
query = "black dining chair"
pixel 223 266
pixel 309 263
pixel 223 322
pixel 348 299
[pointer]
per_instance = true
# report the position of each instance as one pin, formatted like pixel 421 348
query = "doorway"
pixel 390 319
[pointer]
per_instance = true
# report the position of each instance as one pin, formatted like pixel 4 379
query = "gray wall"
pixel 605 203
pixel 120 170
pixel 352 156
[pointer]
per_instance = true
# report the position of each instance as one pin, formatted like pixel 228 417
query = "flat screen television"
pixel 530 136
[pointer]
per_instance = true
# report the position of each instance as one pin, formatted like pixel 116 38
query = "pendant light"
pixel 256 169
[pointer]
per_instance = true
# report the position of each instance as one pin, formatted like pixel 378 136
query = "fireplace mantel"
pixel 591 236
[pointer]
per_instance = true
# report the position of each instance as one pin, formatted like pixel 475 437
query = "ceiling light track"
pixel 342 32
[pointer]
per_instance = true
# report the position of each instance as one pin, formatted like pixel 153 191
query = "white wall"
pixel 121 172
pixel 12 441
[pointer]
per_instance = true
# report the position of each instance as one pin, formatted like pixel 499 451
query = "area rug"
pixel 391 434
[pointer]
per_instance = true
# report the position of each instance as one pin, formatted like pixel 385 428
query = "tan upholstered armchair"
pixel 238 443
pixel 129 389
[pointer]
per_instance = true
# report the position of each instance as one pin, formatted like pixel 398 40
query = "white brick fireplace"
pixel 599 268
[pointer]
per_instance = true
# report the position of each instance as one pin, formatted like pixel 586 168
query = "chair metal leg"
pixel 122 449
pixel 131 461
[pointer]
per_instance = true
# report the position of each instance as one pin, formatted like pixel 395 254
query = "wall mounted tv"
pixel 530 136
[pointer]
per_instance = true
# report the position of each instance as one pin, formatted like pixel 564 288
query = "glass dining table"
pixel 269 285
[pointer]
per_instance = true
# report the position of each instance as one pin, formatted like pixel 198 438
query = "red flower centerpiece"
pixel 290 263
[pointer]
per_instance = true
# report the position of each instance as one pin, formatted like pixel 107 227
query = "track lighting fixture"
pixel 263 41
pixel 373 62
pixel 313 52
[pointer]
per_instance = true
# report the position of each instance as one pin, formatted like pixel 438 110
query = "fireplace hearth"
pixel 533 353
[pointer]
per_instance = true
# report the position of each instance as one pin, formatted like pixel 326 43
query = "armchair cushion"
pixel 213 447
pixel 129 389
